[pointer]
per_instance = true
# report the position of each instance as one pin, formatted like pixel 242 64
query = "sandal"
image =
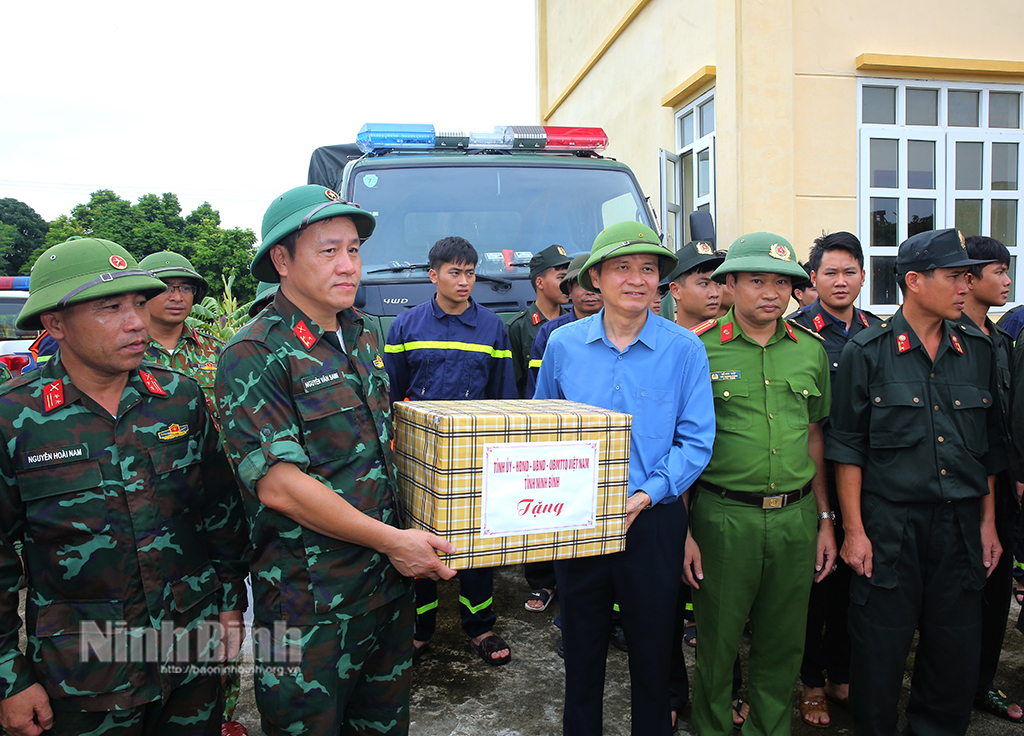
pixel 997 703
pixel 813 706
pixel 541 596
pixel 737 708
pixel 419 651
pixel 487 647
pixel 690 635
pixel 1018 592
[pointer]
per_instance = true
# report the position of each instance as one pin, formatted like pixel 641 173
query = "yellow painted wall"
pixel 785 90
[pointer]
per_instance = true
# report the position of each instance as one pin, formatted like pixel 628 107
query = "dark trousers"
pixel 927 576
pixel 995 602
pixel 476 598
pixel 540 575
pixel 644 579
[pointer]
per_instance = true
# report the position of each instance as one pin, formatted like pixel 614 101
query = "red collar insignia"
pixel 956 343
pixel 152 384
pixel 863 318
pixel 305 336
pixel 789 330
pixel 819 322
pixel 727 332
pixel 536 318
pixel 53 395
pixel 903 343
pixel 703 326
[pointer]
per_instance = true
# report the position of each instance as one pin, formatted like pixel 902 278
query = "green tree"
pixel 30 231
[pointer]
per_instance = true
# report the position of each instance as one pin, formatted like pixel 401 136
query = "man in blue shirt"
pixel 627 360
pixel 446 349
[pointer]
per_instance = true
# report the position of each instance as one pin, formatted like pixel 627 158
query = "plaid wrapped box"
pixel 439 452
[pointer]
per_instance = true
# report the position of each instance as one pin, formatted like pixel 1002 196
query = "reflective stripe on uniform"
pixel 444 345
pixel 474 609
pixel 535 362
pixel 429 607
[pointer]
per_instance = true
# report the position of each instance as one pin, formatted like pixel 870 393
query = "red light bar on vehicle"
pixel 387 136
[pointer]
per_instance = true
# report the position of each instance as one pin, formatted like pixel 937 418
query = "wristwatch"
pixel 830 515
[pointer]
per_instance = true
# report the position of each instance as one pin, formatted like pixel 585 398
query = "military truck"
pixel 511 191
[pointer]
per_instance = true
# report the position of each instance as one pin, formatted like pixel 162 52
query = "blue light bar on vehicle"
pixel 390 136
pixel 14 283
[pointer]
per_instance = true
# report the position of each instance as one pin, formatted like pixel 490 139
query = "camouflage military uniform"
pixel 5 375
pixel 195 355
pixel 288 395
pixel 129 521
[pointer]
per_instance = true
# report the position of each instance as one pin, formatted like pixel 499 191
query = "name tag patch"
pixel 724 375
pixel 39 458
pixel 315 382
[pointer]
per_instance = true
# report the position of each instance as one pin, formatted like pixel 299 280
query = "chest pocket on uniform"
pixel 798 411
pixel 729 400
pixel 329 419
pixel 176 465
pixel 63 500
pixel 656 415
pixel 969 413
pixel 898 415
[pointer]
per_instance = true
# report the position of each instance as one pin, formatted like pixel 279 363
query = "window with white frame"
pixel 934 155
pixel 688 174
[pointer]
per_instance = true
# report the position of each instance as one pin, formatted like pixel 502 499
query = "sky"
pixel 224 101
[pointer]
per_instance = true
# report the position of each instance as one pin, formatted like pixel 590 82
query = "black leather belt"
pixel 755 499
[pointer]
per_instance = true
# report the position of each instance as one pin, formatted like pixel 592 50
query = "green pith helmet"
pixel 760 253
pixel 626 239
pixel 167 265
pixel 573 274
pixel 294 210
pixel 81 269
pixel 264 293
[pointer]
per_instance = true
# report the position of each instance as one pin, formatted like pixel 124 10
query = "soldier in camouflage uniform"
pixel 304 393
pixel 173 343
pixel 112 475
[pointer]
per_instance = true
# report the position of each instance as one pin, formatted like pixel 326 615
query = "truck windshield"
pixel 508 213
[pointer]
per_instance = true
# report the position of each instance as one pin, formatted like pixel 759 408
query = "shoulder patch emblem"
pixel 536 318
pixel 727 332
pixel 863 319
pixel 53 395
pixel 305 336
pixel 956 343
pixel 378 363
pixel 152 384
pixel 173 432
pixel 208 366
pixel 789 331
pixel 903 343
pixel 791 324
pixel 819 322
pixel 703 326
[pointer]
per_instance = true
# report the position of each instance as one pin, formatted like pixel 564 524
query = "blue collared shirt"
pixel 435 356
pixel 662 378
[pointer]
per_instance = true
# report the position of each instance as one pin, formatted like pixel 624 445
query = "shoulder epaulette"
pixel 808 330
pixel 704 326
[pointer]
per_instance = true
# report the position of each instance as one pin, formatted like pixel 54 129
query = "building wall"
pixel 785 89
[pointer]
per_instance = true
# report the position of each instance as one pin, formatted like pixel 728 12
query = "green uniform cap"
pixel 81 269
pixel 573 274
pixel 693 254
pixel 760 253
pixel 626 239
pixel 934 249
pixel 167 265
pixel 294 210
pixel 264 293
pixel 553 256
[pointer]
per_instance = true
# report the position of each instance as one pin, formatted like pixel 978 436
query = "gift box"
pixel 509 482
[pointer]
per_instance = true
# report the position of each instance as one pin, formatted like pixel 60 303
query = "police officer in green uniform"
pixel 111 472
pixel 915 432
pixel 760 524
pixel 303 390
pixel 547 269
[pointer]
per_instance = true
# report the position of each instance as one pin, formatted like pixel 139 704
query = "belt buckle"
pixel 771 502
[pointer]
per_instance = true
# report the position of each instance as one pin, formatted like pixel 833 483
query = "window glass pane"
pixel 922 107
pixel 921 216
pixel 1004 110
pixel 963 109
pixel 883 280
pixel 668 238
pixel 687 124
pixel 670 181
pixel 704 208
pixel 883 221
pixel 883 162
pixel 1004 167
pixel 687 194
pixel 879 105
pixel 704 173
pixel 968 165
pixel 968 216
pixel 1004 221
pixel 1012 297
pixel 921 164
pixel 707 117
